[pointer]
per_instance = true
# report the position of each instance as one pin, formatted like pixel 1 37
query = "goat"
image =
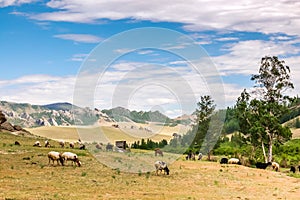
pixel 53 155
pixel 160 165
pixel 71 156
pixel 17 143
pixel 234 161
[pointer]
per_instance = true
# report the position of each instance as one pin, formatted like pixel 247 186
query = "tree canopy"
pixel 259 113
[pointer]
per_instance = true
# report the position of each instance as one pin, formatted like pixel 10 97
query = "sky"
pixel 142 55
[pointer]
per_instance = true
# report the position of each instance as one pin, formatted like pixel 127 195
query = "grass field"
pixel 25 174
pixel 102 134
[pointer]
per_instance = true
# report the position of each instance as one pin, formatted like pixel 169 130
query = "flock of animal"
pixel 62 158
pixel 160 165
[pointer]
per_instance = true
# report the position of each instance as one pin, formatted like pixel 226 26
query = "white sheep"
pixel 72 145
pixel 62 143
pixel 47 143
pixel 37 144
pixel 275 166
pixel 234 161
pixel 71 156
pixel 160 165
pixel 53 155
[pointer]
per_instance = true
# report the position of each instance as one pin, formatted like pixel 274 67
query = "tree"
pixel 259 118
pixel 205 135
pixel 204 111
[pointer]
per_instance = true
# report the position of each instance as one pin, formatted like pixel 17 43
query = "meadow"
pixel 26 174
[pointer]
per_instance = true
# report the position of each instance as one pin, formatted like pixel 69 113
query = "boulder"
pixel 2 117
pixel 7 126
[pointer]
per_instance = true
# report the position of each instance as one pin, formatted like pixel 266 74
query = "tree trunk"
pixel 270 151
pixel 208 155
pixel 264 152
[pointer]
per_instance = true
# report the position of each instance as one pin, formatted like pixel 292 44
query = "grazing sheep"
pixel 99 146
pixel 234 161
pixel 275 166
pixel 82 146
pixel 293 169
pixel 62 143
pixel 17 143
pixel 190 156
pixel 71 156
pixel 157 151
pixel 200 156
pixel 160 165
pixel 224 161
pixel 37 144
pixel 47 143
pixel 72 145
pixel 109 147
pixel 53 155
pixel 261 165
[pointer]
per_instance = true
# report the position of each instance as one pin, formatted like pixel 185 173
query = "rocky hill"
pixel 66 114
pixel 59 114
pixel 7 126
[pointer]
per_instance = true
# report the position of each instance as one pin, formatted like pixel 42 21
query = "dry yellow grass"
pixel 296 133
pixel 102 134
pixel 25 174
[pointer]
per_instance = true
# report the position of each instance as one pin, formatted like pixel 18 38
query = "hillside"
pixel 120 114
pixel 22 167
pixel 66 114
pixel 58 114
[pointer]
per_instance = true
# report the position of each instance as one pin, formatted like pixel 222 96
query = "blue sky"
pixel 44 45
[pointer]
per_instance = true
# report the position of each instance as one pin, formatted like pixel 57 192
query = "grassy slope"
pixel 99 134
pixel 25 174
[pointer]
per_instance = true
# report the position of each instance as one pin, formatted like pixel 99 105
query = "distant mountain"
pixel 58 114
pixel 66 114
pixel 123 114
pixel 60 106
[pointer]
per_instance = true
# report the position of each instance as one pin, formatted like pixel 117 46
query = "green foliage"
pixel 149 144
pixel 289 153
pixel 259 118
pixel 297 123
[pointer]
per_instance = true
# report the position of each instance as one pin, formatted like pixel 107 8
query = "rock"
pixel 7 126
pixel 18 128
pixel 2 117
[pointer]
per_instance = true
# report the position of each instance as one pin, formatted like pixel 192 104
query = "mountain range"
pixel 66 114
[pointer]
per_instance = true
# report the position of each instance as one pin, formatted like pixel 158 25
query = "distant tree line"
pixel 149 144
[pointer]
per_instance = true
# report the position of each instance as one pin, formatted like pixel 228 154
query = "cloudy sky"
pixel 102 54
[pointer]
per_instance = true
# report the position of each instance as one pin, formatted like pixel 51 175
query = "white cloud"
pixel 38 89
pixel 84 38
pixel 5 3
pixel 254 16
pixel 78 57
pixel 244 56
